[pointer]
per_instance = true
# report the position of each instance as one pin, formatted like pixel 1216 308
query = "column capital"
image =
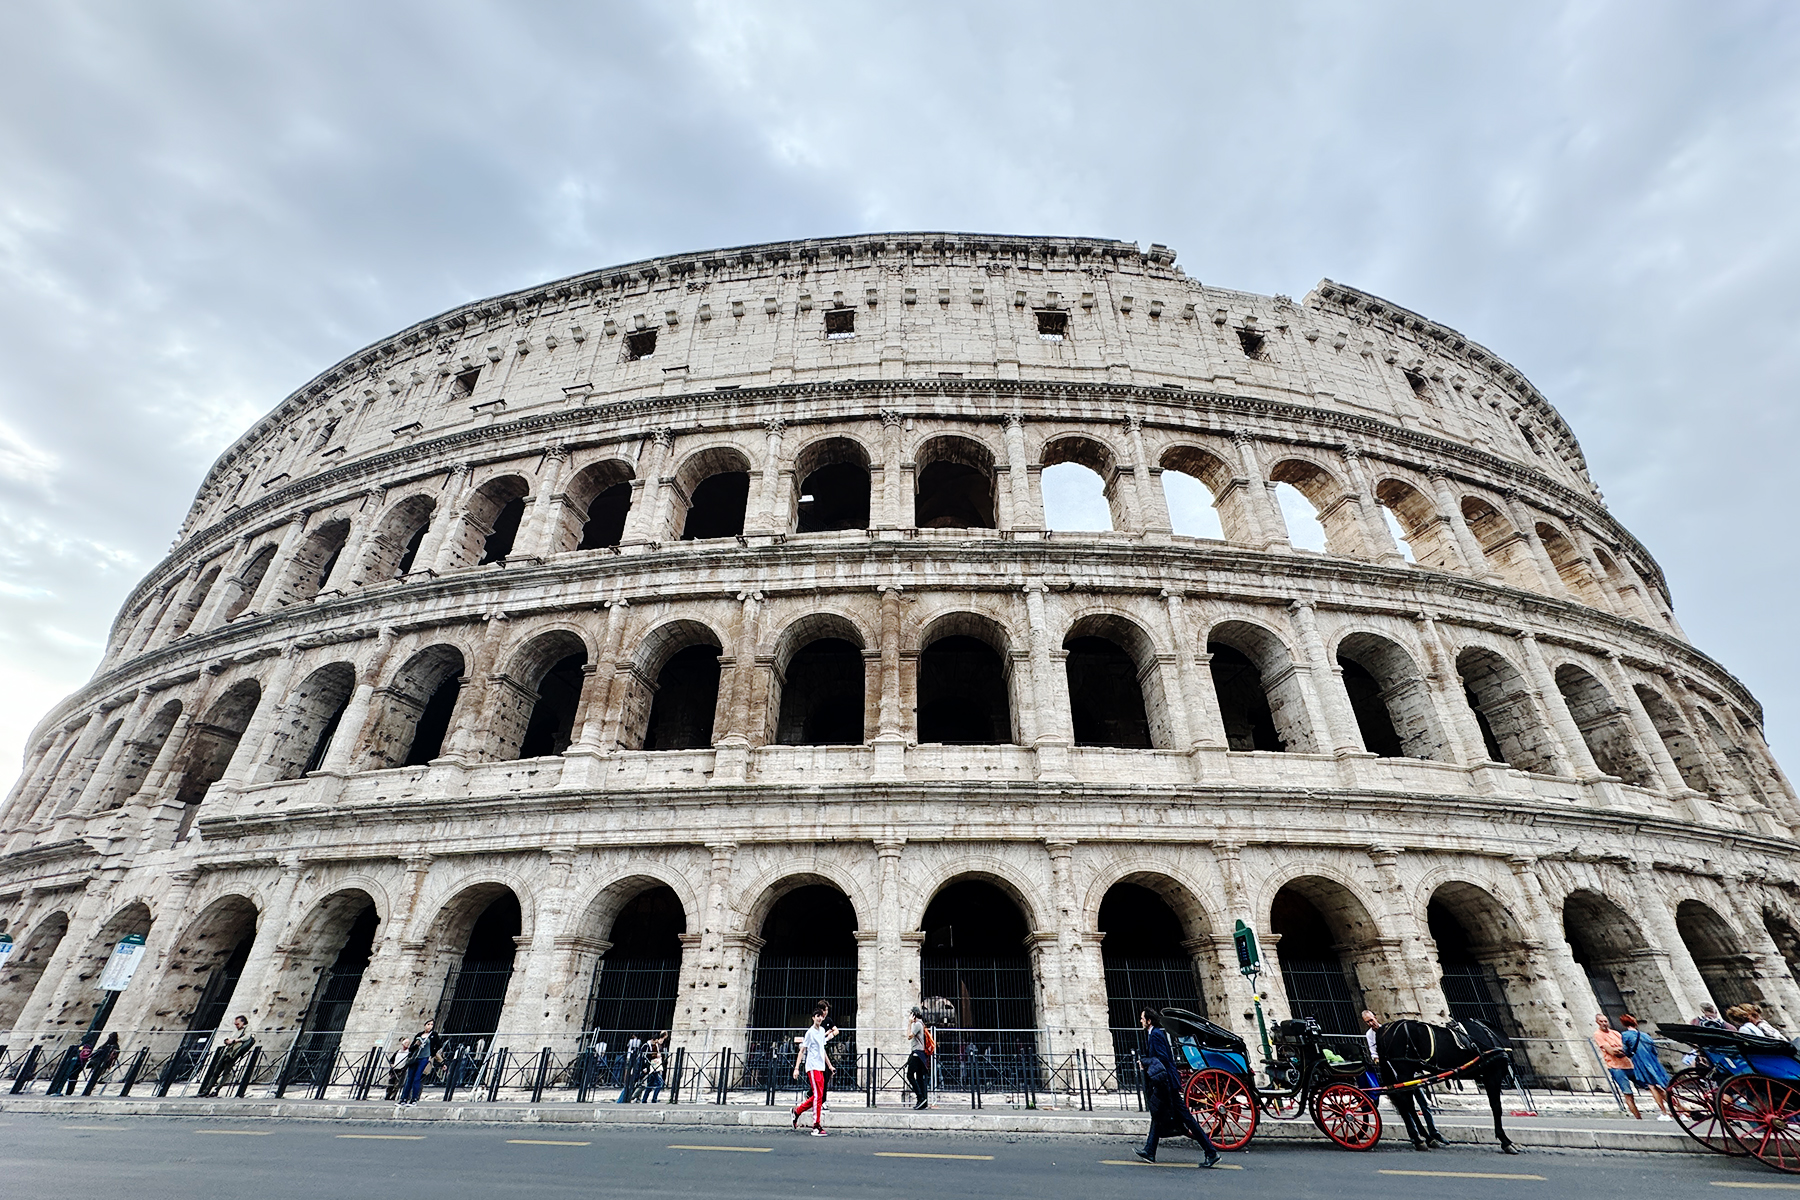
pixel 892 418
pixel 558 453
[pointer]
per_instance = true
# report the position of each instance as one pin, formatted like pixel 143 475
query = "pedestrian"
pixel 218 1072
pixel 397 1067
pixel 1709 1017
pixel 1646 1070
pixel 1618 1063
pixel 1754 1013
pixel 1169 1113
pixel 424 1049
pixel 818 1067
pixel 653 1072
pixel 102 1060
pixel 920 1046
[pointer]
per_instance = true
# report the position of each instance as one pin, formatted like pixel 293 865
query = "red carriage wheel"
pixel 1763 1116
pixel 1224 1107
pixel 1691 1100
pixel 1347 1116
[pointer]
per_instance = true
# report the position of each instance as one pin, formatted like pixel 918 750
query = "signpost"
pixel 6 949
pixel 114 978
pixel 1250 966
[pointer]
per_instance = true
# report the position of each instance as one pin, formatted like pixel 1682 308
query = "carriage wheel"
pixel 1691 1100
pixel 1224 1106
pixel 1763 1116
pixel 1347 1116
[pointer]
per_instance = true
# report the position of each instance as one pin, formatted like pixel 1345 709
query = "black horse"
pixel 1416 1050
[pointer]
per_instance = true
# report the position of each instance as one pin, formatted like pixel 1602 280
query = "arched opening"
pixel 713 488
pixel 211 743
pixel 345 925
pixel 80 1003
pixel 975 957
pixel 191 605
pixel 1206 498
pixel 1304 529
pixel 964 693
pixel 1604 726
pixel 1320 515
pixel 475 990
pixel 672 693
pixel 1617 961
pixel 1719 954
pixel 534 711
pixel 1689 759
pixel 808 954
pixel 1414 521
pixel 1786 939
pixel 490 522
pixel 834 487
pixel 1511 730
pixel 1742 784
pixel 199 984
pixel 552 725
pixel 1321 932
pixel 314 562
pixel 594 508
pixel 413 712
pixel 393 549
pixel 822 694
pixel 67 790
pixel 1391 699
pixel 248 580
pixel 1144 954
pixel 139 755
pixel 1259 695
pixel 1504 547
pixel 1486 967
pixel 1116 696
pixel 955 485
pixel 25 966
pixel 1570 566
pixel 1081 487
pixel 310 719
pixel 636 983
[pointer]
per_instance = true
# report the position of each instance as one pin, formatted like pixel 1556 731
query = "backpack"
pixel 930 1041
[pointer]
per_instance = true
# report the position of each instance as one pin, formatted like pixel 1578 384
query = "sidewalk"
pixel 1553 1131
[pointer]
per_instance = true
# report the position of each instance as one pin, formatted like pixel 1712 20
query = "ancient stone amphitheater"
pixel 678 643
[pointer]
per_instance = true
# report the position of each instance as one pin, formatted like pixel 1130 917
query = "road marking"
pixel 95 1128
pixel 1722 1183
pixel 1138 1162
pixel 734 1149
pixel 536 1142
pixel 384 1137
pixel 1462 1175
pixel 238 1132
pixel 959 1157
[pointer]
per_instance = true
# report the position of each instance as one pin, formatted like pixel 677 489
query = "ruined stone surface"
pixel 185 792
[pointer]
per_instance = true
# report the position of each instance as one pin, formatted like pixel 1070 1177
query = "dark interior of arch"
pixel 552 723
pixel 434 721
pixel 335 995
pixel 808 955
pixel 717 509
pixel 1105 700
pixel 687 693
pixel 605 525
pixel 636 984
pixel 212 742
pixel 1601 942
pixel 974 957
pixel 1786 939
pixel 1313 973
pixel 215 997
pixel 1717 955
pixel 1472 988
pixel 1243 705
pixel 499 543
pixel 822 697
pixel 1503 708
pixel 410 554
pixel 962 693
pixel 834 497
pixel 315 757
pixel 1372 718
pixel 1142 955
pixel 478 990
pixel 953 495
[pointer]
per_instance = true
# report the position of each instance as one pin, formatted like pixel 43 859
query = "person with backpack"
pixel 1169 1113
pixel 1646 1070
pixel 921 1045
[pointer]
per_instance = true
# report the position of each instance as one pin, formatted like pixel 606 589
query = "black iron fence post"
pixel 329 1068
pixel 543 1074
pixel 131 1072
pixel 680 1065
pixel 365 1078
pixel 454 1073
pixel 27 1070
pixel 167 1078
pixel 499 1070
pixel 583 1068
pixel 243 1086
pixel 724 1069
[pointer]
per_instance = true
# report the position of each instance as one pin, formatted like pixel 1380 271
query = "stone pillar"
pixel 1474 558
pixel 1084 1012
pixel 226 590
pixel 274 942
pixel 889 514
pixel 1768 965
pixel 593 713
pixel 1337 720
pixel 547 507
pixel 731 760
pixel 280 566
pixel 1666 769
pixel 446 521
pixel 1562 722
pixel 1656 920
pixel 129 723
pixel 1414 963
pixel 532 992
pixel 1054 732
pixel 469 721
pixel 704 1002
pixel 348 567
pixel 1558 979
pixel 648 519
pixel 1447 696
pixel 767 513
pixel 394 992
pixel 344 754
pixel 1263 513
pixel 1382 547
pixel 1152 505
pixel 1526 526
pixel 250 762
pixel 1025 514
pixel 895 983
pixel 890 741
pixel 57 799
pixel 178 591
pixel 1238 992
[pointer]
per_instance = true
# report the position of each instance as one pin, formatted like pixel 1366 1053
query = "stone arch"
pixel 1611 950
pixel 640 924
pixel 212 742
pixel 712 495
pixel 806 925
pixel 955 485
pixel 25 967
pixel 1570 566
pixel 1484 962
pixel 1335 506
pixel 249 579
pixel 540 693
pixel 1224 493
pixel 1329 949
pixel 412 713
pixel 196 598
pixel 313 564
pixel 832 485
pixel 594 506
pixel 1017 888
pixel 1718 952
pixel 967 690
pixel 76 989
pixel 488 524
pixel 1676 737
pixel 393 547
pixel 672 688
pixel 472 945
pixel 197 985
pixel 1421 527
pixel 141 750
pixel 317 986
pixel 1739 779
pixel 1258 688
pixel 68 790
pixel 1504 547
pixel 1390 698
pixel 1782 930
pixel 1098 459
pixel 1512 729
pixel 819 692
pixel 1156 948
pixel 987 971
pixel 309 721
pixel 1604 726
pixel 1116 692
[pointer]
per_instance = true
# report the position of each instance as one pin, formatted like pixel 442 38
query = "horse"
pixel 1412 1050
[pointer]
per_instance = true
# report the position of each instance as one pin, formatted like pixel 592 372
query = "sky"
pixel 202 205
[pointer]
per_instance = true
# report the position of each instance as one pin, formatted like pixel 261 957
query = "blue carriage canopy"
pixel 1771 1057
pixel 1201 1044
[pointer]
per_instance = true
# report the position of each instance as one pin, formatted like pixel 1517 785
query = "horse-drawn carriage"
pixel 1741 1096
pixel 1299 1078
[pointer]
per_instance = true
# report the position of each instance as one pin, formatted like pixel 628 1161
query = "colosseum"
pixel 676 644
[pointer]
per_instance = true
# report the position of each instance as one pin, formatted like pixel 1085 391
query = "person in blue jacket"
pixel 1162 1086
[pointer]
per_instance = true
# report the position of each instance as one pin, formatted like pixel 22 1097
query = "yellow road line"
pixel 238 1132
pixel 1747 1184
pixel 1138 1162
pixel 384 1137
pixel 1462 1175
pixel 536 1142
pixel 960 1157
pixel 735 1149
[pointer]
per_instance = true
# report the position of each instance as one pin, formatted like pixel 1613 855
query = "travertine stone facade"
pixel 1495 712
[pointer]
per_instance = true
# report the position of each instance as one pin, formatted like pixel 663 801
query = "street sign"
pixel 124 960
pixel 1249 961
pixel 6 949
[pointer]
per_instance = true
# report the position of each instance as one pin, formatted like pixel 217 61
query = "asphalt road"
pixel 150 1158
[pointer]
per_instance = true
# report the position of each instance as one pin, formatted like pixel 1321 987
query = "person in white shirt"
pixel 818 1066
pixel 1370 1025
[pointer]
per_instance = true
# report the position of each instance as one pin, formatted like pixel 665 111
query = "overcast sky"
pixel 203 205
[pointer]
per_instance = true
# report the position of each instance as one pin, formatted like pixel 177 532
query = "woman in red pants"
pixel 812 1056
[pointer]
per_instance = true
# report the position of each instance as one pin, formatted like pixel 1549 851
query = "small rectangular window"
pixel 1252 342
pixel 1053 326
pixel 1416 381
pixel 641 344
pixel 465 382
pixel 840 323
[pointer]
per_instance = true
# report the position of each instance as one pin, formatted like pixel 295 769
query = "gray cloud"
pixel 205 204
